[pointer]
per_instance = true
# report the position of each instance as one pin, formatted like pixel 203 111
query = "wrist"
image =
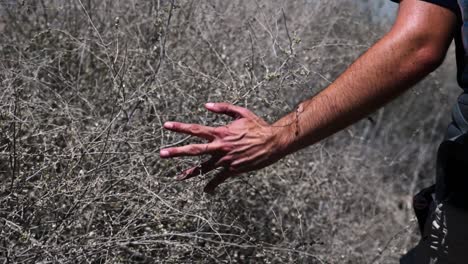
pixel 283 138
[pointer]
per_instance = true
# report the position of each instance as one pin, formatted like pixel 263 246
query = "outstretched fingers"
pixel 201 131
pixel 190 150
pixel 231 110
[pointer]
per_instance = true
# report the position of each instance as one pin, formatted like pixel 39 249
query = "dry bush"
pixel 87 85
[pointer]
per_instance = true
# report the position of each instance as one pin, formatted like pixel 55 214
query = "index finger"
pixel 189 150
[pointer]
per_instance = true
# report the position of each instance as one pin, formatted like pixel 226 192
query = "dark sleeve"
pixel 452 5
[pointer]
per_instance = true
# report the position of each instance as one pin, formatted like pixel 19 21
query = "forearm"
pixel 415 46
pixel 385 71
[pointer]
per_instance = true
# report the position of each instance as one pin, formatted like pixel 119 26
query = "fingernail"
pixel 210 105
pixel 168 125
pixel 164 153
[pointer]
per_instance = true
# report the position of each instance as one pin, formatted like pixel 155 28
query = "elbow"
pixel 420 60
pixel 421 52
pixel 424 51
pixel 428 58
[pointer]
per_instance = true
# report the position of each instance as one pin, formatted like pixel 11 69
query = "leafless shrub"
pixel 87 85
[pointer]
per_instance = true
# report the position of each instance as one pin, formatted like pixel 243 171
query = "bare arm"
pixel 415 46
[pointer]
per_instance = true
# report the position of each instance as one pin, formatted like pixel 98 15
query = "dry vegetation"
pixel 86 86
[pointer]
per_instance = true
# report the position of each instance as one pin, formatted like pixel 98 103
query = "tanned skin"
pixel 415 46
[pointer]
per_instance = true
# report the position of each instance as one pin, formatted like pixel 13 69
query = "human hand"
pixel 248 143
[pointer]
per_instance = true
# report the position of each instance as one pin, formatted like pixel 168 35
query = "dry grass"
pixel 87 85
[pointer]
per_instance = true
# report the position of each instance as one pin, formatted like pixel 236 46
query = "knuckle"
pixel 227 147
pixel 175 125
pixel 194 129
pixel 173 151
pixel 227 106
pixel 222 131
pixel 223 107
pixel 193 150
